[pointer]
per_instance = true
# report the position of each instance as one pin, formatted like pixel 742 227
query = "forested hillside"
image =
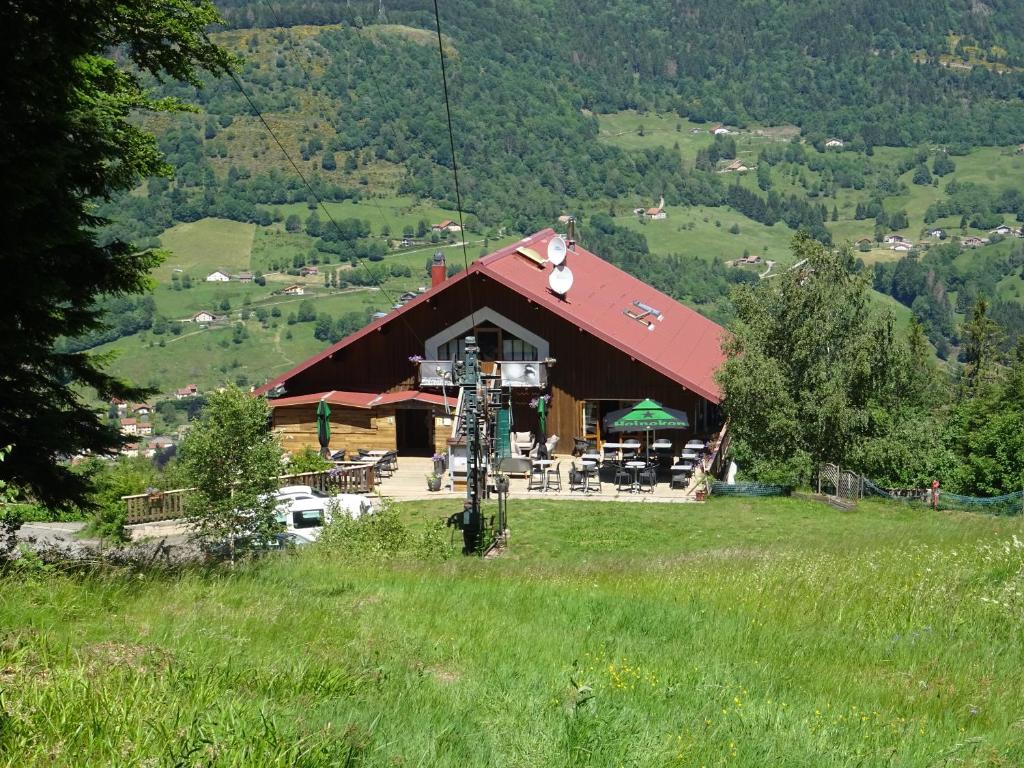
pixel 849 121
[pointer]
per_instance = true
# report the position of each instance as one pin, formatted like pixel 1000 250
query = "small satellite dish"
pixel 556 250
pixel 560 280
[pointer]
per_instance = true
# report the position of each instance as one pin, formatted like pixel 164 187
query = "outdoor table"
pixel 695 445
pixel 594 457
pixel 617 447
pixel 636 466
pixel 543 464
pixel 375 453
pixel 662 445
pixel 689 455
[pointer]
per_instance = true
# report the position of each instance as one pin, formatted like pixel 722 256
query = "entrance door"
pixel 414 431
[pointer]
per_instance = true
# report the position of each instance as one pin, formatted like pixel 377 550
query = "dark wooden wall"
pixel 586 368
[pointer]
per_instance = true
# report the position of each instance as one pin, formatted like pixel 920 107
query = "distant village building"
pixel 1003 230
pixel 129 426
pixel 120 405
pixel 564 218
pixel 736 165
pixel 245 277
pixel 308 271
pixel 202 317
pixel 657 213
pixel 938 234
pixel 218 277
pixel 294 290
pixel 973 242
pixel 834 144
pixel 446 226
pixel 863 241
pixel 894 239
pixel 189 390
pixel 141 410
pixel 719 130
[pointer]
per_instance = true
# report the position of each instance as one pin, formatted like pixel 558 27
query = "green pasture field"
pixel 709 237
pixel 200 247
pixel 397 211
pixel 748 633
pixel 208 357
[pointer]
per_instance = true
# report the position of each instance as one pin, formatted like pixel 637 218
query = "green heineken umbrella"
pixel 645 416
pixel 323 427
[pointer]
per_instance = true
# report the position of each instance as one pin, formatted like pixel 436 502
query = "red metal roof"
pixel 684 345
pixel 363 399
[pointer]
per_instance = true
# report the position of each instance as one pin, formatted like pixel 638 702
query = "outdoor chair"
pixel 680 478
pixel 554 477
pixel 580 445
pixel 648 478
pixel 535 482
pixel 623 478
pixel 592 475
pixel 392 459
pixel 383 467
pixel 576 478
pixel 338 456
pixel 522 442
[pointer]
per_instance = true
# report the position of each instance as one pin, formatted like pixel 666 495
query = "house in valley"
pixel 719 130
pixel 1002 230
pixel 129 426
pixel 218 277
pixel 293 290
pixel 736 165
pixel 834 144
pixel 973 242
pixel 189 390
pixel 605 342
pixel 202 317
pixel 309 270
pixel 446 226
pixel 245 277
pixel 657 213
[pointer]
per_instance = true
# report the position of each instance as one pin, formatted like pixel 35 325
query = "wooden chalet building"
pixel 610 341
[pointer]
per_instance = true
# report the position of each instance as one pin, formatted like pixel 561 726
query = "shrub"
pixel 381 535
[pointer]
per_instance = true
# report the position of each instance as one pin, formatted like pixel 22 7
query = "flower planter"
pixel 434 484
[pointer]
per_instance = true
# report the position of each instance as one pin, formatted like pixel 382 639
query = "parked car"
pixel 304 510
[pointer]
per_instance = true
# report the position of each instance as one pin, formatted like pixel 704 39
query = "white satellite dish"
pixel 560 280
pixel 556 250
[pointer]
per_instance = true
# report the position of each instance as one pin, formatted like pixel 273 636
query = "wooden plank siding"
pixel 587 368
pixel 351 428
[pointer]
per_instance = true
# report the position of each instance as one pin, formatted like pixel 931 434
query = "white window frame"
pixel 481 316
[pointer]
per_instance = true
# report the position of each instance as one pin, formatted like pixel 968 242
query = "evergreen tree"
pixel 71 138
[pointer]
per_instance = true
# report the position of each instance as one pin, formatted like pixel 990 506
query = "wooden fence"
pixel 719 451
pixel 345 477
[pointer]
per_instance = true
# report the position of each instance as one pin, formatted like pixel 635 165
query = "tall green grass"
pixel 768 633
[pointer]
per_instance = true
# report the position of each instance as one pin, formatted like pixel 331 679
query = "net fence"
pixel 718 488
pixel 1007 504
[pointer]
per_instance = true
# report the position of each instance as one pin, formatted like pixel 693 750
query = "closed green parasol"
pixel 323 428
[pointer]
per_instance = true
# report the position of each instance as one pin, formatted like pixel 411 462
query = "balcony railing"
pixel 514 373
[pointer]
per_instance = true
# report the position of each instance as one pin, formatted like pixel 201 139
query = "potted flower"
pixel 433 482
pixel 440 460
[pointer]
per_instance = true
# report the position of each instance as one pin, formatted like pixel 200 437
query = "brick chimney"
pixel 438 270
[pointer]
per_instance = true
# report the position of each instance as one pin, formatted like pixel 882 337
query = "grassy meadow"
pixel 768 632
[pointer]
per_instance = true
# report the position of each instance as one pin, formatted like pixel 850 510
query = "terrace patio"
pixel 408 483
